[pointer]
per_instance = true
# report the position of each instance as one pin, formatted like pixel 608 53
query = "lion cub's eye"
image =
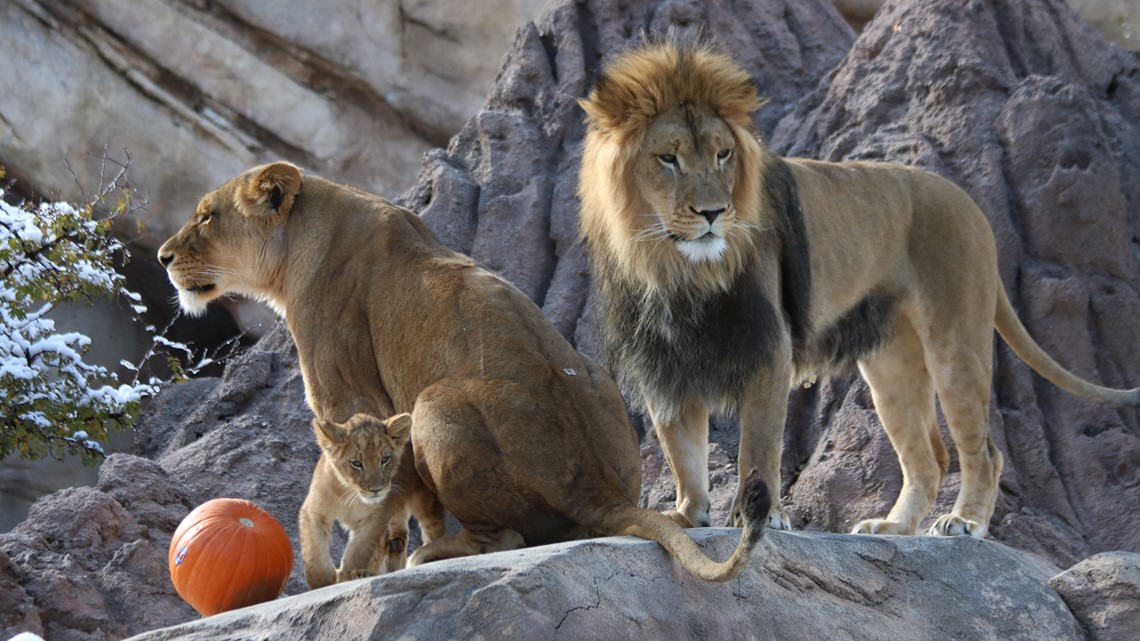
pixel 358 465
pixel 384 461
pixel 669 160
pixel 724 154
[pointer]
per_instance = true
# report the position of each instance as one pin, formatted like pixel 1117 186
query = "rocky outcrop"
pixel 90 562
pixel 1019 102
pixel 802 585
pixel 1103 592
pixel 198 91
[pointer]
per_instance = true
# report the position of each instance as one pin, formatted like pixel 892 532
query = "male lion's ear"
pixel 269 195
pixel 399 427
pixel 329 434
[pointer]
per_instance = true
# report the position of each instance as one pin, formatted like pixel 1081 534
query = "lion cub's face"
pixel 687 170
pixel 233 241
pixel 365 452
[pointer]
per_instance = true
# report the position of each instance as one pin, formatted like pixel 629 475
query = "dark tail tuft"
pixel 757 502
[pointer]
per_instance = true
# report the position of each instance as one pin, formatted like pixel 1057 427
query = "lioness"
pixel 520 437
pixel 726 273
pixel 361 480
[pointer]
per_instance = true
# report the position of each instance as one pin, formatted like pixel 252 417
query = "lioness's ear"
pixel 399 427
pixel 328 434
pixel 269 195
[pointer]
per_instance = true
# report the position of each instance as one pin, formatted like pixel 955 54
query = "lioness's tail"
pixel 655 526
pixel 1018 338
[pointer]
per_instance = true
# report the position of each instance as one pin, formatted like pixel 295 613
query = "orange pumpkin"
pixel 227 554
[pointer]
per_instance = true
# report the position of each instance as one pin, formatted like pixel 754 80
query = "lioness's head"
pixel 671 159
pixel 234 242
pixel 365 452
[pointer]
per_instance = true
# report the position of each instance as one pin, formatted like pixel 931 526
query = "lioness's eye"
pixel 206 218
pixel 384 461
pixel 358 465
pixel 724 155
pixel 667 159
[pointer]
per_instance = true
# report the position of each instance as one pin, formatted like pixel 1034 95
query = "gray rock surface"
pixel 799 586
pixel 1019 102
pixel 90 562
pixel 1103 592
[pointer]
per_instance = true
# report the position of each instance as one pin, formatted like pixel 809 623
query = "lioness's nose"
pixel 709 214
pixel 166 259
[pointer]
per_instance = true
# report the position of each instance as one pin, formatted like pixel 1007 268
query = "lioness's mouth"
pixel 201 289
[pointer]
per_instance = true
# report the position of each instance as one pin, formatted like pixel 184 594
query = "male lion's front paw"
pixel 880 526
pixel 954 525
pixel 778 519
pixel 679 519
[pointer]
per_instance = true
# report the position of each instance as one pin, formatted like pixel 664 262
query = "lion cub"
pixel 358 481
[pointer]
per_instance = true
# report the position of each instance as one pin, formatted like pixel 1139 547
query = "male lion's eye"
pixel 724 155
pixel 384 461
pixel 667 159
pixel 358 465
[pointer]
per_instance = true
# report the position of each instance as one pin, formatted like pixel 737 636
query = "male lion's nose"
pixel 709 214
pixel 166 259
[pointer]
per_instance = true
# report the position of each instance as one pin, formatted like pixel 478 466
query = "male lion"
pixel 520 437
pixel 726 273
pixel 366 480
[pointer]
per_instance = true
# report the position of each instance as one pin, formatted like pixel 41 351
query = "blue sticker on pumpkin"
pixel 181 555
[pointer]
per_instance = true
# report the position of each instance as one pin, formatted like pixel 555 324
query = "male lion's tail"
pixel 1027 349
pixel 655 526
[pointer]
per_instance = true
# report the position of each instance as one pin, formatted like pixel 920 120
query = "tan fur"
pixel 359 481
pixel 521 438
pixel 905 244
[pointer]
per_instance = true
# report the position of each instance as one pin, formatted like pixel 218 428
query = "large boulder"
pixel 801 585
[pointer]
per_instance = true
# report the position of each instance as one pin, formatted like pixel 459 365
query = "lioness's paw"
pixel 954 525
pixel 880 526
pixel 420 556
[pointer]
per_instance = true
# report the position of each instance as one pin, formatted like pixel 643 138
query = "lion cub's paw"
pixel 954 525
pixel 352 575
pixel 880 526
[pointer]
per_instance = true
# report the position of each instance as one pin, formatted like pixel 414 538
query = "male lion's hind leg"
pixel 466 543
pixel 903 394
pixel 962 375
pixel 685 443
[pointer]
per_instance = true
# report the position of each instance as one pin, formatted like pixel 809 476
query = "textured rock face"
pixel 1103 591
pixel 90 562
pixel 801 586
pixel 1020 103
pixel 199 91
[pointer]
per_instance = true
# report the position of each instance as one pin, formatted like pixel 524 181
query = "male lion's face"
pixel 229 243
pixel 686 172
pixel 365 452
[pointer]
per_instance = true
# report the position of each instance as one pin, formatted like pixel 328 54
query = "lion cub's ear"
pixel 399 427
pixel 269 195
pixel 328 434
